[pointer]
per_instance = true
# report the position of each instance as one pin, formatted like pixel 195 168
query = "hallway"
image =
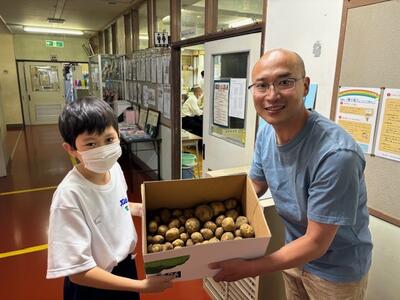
pixel 38 164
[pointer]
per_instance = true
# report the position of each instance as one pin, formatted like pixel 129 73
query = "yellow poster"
pixel 388 140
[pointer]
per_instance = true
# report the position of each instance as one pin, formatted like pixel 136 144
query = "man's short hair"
pixel 89 114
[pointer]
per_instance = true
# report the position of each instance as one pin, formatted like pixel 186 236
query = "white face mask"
pixel 101 159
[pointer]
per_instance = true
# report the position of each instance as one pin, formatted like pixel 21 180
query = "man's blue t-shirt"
pixel 319 175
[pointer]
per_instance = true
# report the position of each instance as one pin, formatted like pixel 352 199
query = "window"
pixel 143 27
pixel 162 16
pixel 236 13
pixel 192 18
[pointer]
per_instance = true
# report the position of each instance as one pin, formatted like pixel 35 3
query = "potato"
pixel 150 248
pixel 230 203
pixel 210 225
pixel 189 242
pixel 228 224
pixel 238 233
pixel 181 229
pixel 217 207
pixel 219 232
pixel 165 215
pixel 174 223
pixel 172 234
pixel 192 225
pixel 206 233
pixel 247 231
pixel 196 237
pixel 184 236
pixel 214 240
pixel 167 246
pixel 177 247
pixel 188 213
pixel 149 239
pixel 158 239
pixel 153 227
pixel 203 212
pixel 241 220
pixel 157 219
pixel 218 220
pixel 162 229
pixel 182 219
pixel 178 242
pixel 205 242
pixel 227 236
pixel 156 248
pixel 232 213
pixel 176 213
pixel 238 238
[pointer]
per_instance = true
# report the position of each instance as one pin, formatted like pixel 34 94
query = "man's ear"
pixel 306 85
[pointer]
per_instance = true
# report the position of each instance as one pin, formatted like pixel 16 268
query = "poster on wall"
pixel 160 97
pixel 237 98
pixel 388 136
pixel 167 101
pixel 221 103
pixel 356 112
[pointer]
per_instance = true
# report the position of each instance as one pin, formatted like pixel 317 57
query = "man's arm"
pixel 260 187
pixel 310 246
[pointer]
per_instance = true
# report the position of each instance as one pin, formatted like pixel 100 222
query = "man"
pixel 192 115
pixel 315 172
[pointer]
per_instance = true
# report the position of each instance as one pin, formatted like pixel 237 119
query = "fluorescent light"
pixel 241 22
pixel 52 30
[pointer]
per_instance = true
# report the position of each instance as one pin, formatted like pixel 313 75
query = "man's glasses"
pixel 262 88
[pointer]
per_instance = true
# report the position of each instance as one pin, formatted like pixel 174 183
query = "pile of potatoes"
pixel 213 222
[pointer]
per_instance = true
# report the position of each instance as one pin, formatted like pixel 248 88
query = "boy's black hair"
pixel 89 114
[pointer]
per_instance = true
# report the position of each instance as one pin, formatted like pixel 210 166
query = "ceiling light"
pixel 52 30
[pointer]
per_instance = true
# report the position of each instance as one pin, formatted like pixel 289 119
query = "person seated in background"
pixel 192 115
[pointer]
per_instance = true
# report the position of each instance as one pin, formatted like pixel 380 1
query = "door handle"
pixel 29 97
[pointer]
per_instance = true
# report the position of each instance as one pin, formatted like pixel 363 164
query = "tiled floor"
pixel 38 165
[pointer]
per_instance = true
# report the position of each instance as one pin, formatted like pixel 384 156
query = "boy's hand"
pixel 155 284
pixel 136 209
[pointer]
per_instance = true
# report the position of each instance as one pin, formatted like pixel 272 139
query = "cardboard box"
pixel 189 263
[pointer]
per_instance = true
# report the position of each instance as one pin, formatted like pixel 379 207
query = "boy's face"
pixel 86 141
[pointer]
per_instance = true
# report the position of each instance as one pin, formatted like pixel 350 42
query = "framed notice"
pixel 221 103
pixel 388 138
pixel 142 117
pixel 153 119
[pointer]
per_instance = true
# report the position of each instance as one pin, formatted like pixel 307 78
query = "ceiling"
pixel 86 15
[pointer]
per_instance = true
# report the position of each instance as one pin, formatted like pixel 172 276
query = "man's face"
pixel 279 107
pixel 198 92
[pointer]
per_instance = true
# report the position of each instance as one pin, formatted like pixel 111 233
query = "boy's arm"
pixel 101 279
pixel 136 209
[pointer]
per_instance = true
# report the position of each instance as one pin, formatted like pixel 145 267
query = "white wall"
pixel 297 25
pixel 383 282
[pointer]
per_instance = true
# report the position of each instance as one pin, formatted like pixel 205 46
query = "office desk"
pixel 190 139
pixel 130 148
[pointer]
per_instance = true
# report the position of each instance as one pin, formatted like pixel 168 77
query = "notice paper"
pixel 221 103
pixel 237 98
pixel 357 112
pixel 388 136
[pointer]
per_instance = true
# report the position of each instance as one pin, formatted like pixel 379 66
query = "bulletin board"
pixel 370 59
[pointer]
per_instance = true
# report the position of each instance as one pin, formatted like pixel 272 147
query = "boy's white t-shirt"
pixel 90 225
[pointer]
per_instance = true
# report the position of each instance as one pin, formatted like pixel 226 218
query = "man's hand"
pixel 136 209
pixel 233 269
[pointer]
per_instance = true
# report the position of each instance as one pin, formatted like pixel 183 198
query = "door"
pixel 45 91
pixel 229 117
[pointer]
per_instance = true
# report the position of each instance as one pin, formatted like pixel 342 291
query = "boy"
pixel 91 233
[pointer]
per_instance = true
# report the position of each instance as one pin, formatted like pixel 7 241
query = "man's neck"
pixel 286 132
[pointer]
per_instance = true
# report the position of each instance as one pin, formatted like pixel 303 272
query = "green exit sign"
pixel 56 44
